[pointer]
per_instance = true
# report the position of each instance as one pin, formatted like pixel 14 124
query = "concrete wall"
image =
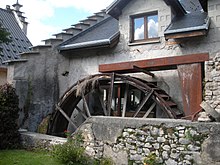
pixel 173 141
pixel 36 83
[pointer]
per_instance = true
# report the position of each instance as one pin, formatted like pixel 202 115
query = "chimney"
pixel 17 6
pixel 8 7
pixel 20 18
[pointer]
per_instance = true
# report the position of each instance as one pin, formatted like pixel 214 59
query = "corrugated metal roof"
pixel 99 34
pixel 20 43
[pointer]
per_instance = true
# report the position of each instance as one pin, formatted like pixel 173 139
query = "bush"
pixel 73 153
pixel 9 135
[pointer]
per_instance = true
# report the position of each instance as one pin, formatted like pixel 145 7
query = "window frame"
pixel 132 27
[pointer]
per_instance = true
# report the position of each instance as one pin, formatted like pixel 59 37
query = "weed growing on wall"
pixel 9 135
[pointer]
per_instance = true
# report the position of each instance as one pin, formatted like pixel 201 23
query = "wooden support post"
pixel 66 117
pixel 125 100
pixel 110 95
pixel 119 101
pixel 103 105
pixel 146 98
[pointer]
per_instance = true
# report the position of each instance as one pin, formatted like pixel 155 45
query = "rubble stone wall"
pixel 173 142
pixel 212 82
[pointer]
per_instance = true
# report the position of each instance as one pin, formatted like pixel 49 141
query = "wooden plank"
pixel 149 110
pixel 66 117
pixel 81 112
pixel 110 95
pixel 125 100
pixel 143 70
pixel 146 98
pixel 86 106
pixel 156 64
pixel 211 111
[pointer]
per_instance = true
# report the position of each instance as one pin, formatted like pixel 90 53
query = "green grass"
pixel 23 157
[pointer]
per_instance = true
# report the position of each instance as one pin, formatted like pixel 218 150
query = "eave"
pixel 91 44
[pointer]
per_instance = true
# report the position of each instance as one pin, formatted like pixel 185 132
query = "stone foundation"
pixel 174 142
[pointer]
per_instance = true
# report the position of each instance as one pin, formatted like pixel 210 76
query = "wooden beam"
pixel 66 117
pixel 81 112
pixel 86 106
pixel 125 100
pixel 119 101
pixel 110 94
pixel 146 98
pixel 165 63
pixel 149 110
pixel 143 70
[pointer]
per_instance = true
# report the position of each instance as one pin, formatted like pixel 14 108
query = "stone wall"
pixel 173 142
pixel 212 82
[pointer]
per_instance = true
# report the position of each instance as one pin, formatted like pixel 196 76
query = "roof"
pixel 20 43
pixel 193 22
pixel 116 7
pixel 102 34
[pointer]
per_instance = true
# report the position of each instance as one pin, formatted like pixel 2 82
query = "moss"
pixel 198 137
pixel 42 128
pixel 27 101
pixel 152 159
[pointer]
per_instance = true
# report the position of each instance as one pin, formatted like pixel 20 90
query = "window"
pixel 144 27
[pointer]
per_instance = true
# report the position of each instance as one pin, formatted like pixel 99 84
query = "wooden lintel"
pixel 143 70
pixel 165 63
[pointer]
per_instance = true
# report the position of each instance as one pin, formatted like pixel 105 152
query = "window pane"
pixel 139 28
pixel 152 26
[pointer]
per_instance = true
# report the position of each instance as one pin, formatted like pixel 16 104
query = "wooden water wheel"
pixel 110 95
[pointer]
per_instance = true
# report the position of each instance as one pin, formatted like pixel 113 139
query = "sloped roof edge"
pixel 205 26
pixel 83 32
pixel 116 7
pixel 96 43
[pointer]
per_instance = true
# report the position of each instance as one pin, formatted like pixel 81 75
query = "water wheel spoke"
pixel 66 117
pixel 81 112
pixel 110 95
pixel 146 98
pixel 86 106
pixel 125 100
pixel 102 103
pixel 149 110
